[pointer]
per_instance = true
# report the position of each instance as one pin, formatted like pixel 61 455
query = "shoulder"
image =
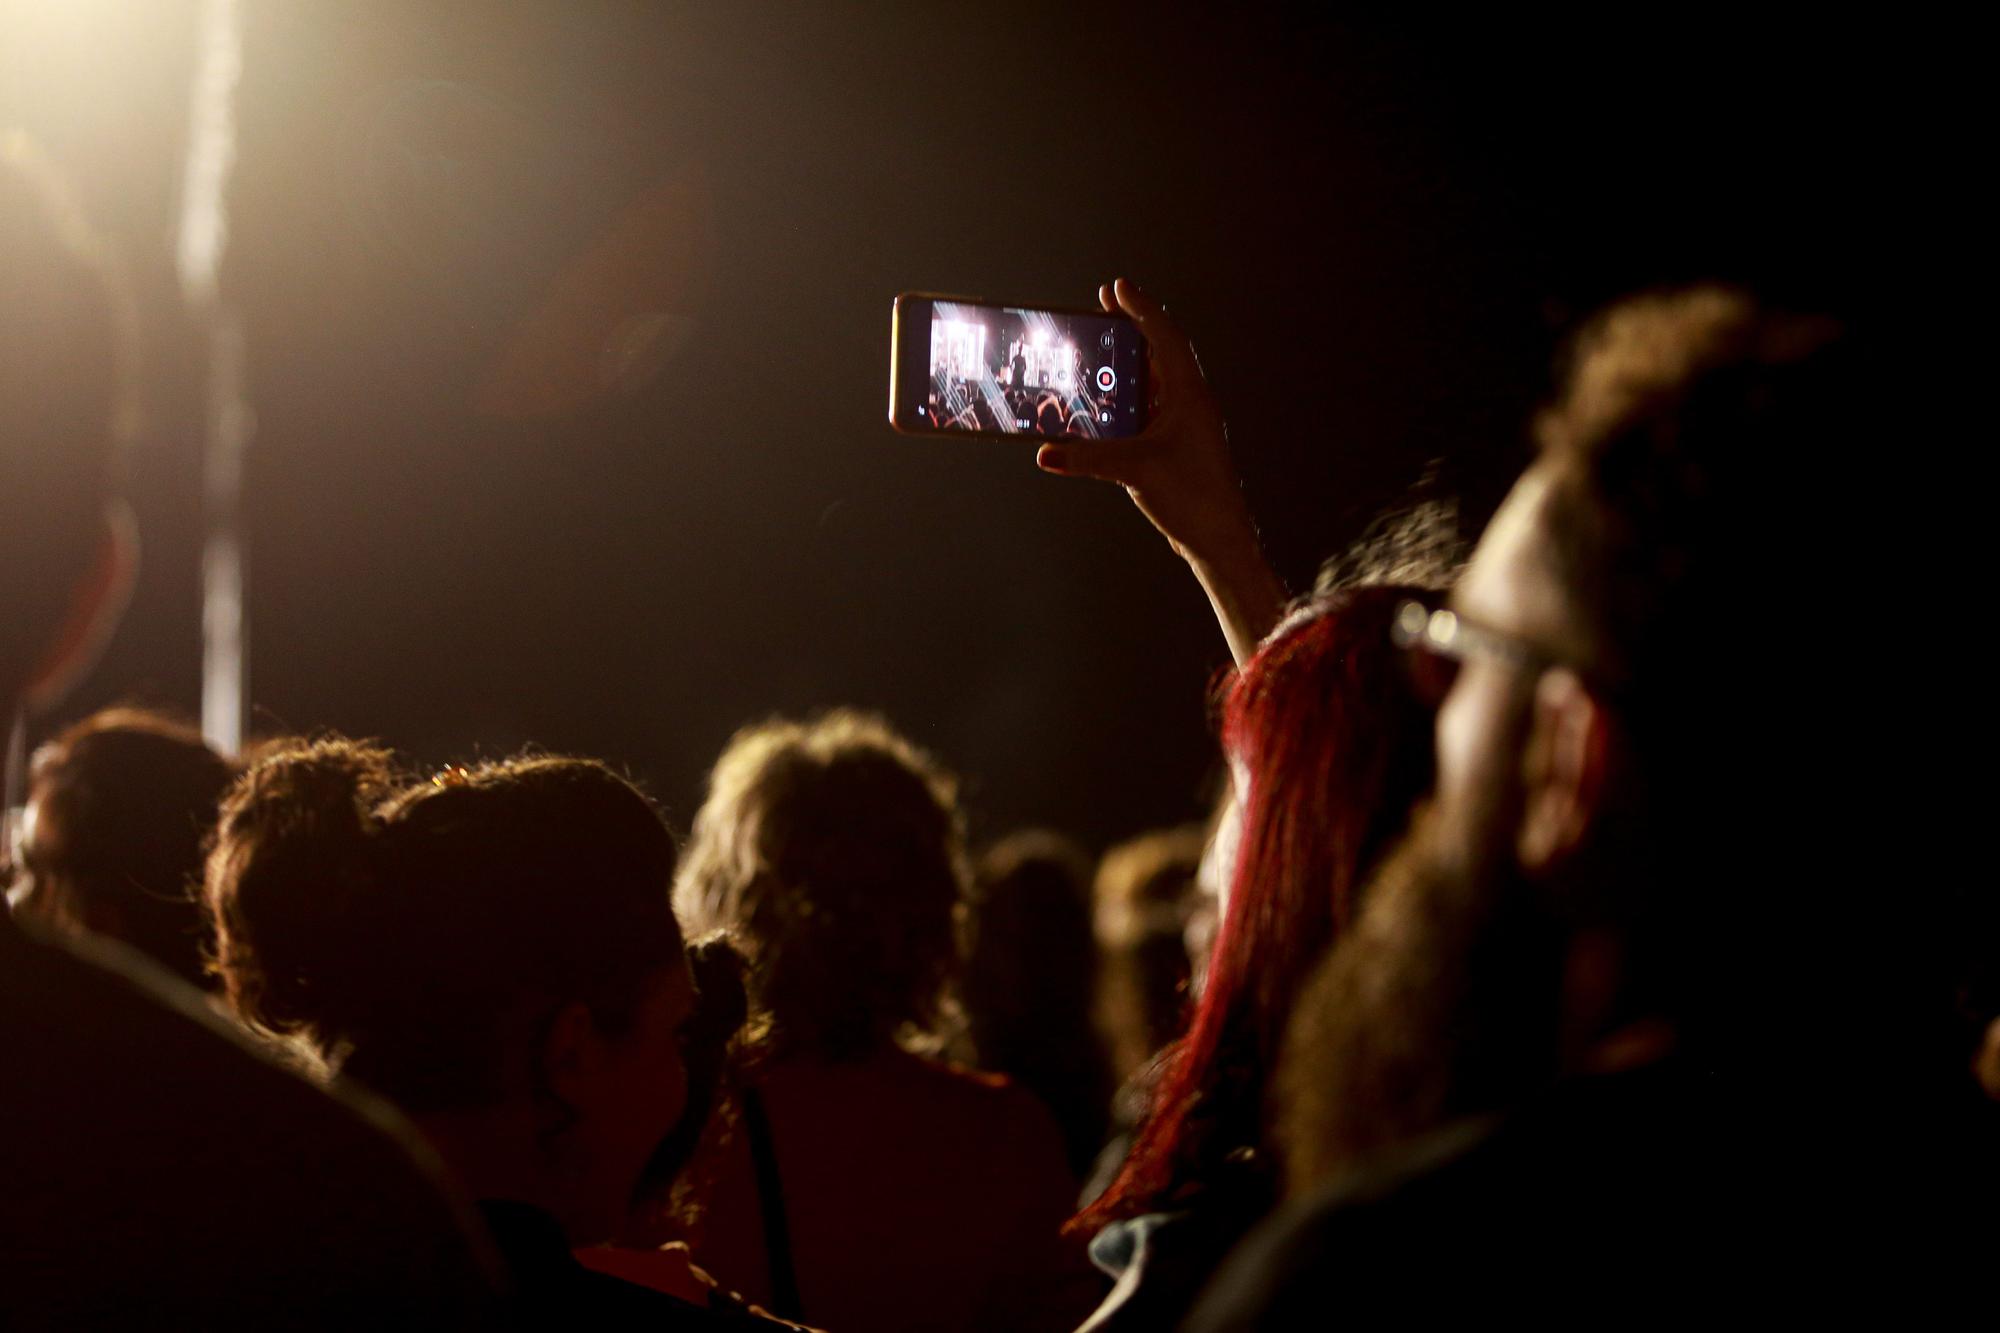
pixel 138 1123
pixel 899 1078
pixel 994 1101
pixel 945 1079
pixel 612 1302
pixel 1363 1226
pixel 90 1019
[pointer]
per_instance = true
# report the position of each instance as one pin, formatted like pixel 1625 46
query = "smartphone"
pixel 960 366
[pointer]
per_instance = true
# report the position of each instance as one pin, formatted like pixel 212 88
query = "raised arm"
pixel 1179 473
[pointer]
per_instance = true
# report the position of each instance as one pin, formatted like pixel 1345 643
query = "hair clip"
pixel 451 775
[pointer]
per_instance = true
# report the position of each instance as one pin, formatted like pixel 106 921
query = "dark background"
pixel 1377 233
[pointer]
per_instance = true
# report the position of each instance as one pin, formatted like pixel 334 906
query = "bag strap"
pixel 771 1207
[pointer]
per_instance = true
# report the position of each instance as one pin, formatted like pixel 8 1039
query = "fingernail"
pixel 1052 458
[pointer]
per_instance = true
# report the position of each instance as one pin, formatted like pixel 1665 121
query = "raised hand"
pixel 1178 471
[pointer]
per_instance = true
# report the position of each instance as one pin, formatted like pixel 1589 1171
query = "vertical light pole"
pixel 226 417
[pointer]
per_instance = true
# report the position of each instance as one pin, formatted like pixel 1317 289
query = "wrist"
pixel 1246 592
pixel 1230 550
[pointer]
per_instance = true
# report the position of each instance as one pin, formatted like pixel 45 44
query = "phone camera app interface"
pixel 1031 372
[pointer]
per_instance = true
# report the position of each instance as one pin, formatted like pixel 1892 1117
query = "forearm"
pixel 1248 597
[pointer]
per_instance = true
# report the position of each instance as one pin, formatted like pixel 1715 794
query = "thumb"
pixel 1106 460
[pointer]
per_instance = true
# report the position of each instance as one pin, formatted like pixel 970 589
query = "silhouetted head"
pixel 832 852
pixel 1049 415
pixel 1633 846
pixel 1030 957
pixel 120 807
pixel 1642 692
pixel 1146 897
pixel 490 945
pixel 1029 984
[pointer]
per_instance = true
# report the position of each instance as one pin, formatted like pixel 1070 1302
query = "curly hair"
pixel 832 851
pixel 1675 449
pixel 413 934
pixel 127 799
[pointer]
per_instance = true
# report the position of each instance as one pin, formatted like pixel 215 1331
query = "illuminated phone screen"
pixel 1005 370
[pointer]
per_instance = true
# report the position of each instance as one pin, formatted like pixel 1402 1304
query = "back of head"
pixel 415 935
pixel 832 851
pixel 1029 985
pixel 1328 734
pixel 1031 961
pixel 64 345
pixel 1696 436
pixel 1330 737
pixel 1144 897
pixel 123 803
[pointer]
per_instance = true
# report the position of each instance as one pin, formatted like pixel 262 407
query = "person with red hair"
pixel 1328 737
pixel 1326 733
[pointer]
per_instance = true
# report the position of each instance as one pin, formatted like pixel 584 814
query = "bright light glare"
pixel 211 150
pixel 958 347
pixel 70 66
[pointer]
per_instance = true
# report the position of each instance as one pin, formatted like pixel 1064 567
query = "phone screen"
pixel 1010 370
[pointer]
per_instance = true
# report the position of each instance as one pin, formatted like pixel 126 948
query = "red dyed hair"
pixel 1331 739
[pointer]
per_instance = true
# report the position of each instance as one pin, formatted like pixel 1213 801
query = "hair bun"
pixel 289 882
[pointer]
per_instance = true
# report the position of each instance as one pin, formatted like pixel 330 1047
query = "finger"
pixel 1162 334
pixel 1106 460
pixel 1107 294
pixel 1143 309
pixel 1148 314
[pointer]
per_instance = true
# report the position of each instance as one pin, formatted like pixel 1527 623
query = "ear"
pixel 1564 771
pixel 96 604
pixel 573 1057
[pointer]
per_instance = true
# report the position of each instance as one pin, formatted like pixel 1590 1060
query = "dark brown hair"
pixel 416 935
pixel 1687 441
pixel 125 801
pixel 1029 983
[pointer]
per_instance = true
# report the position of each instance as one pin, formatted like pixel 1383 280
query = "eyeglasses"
pixel 1444 639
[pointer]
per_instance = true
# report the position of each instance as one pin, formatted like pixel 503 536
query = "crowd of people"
pixel 1551 950
pixel 964 407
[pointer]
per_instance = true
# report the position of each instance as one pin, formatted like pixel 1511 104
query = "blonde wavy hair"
pixel 831 852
